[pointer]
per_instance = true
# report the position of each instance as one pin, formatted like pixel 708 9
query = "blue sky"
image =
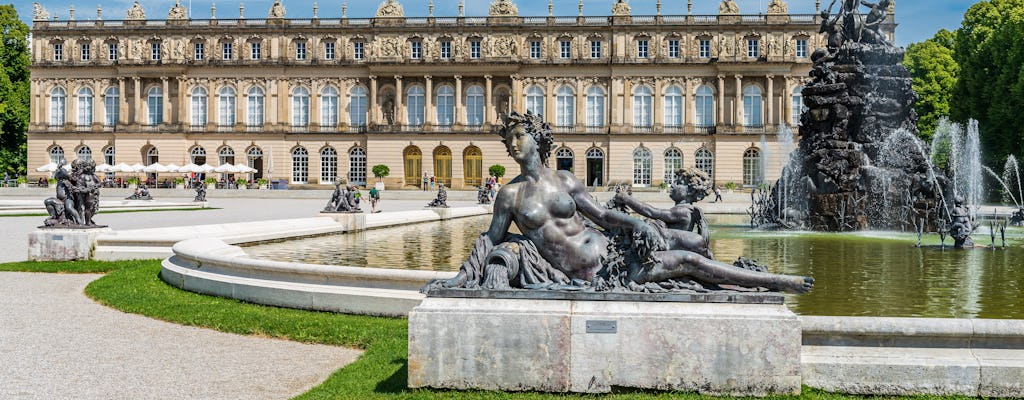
pixel 918 19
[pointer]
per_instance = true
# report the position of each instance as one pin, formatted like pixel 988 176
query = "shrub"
pixel 496 170
pixel 242 182
pixel 381 171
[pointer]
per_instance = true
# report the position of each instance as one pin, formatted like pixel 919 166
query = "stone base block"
pixel 350 222
pixel 593 346
pixel 63 244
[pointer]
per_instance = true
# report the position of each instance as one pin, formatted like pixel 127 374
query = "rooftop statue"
pixel 503 8
pixel 135 12
pixel 178 11
pixel 778 7
pixel 621 8
pixel 39 13
pixel 276 10
pixel 78 196
pixel 390 8
pixel 570 242
pixel 728 7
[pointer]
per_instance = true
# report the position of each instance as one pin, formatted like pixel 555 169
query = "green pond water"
pixel 857 274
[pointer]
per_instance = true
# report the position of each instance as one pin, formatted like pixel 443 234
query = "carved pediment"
pixel 621 8
pixel 390 8
pixel 503 8
pixel 135 13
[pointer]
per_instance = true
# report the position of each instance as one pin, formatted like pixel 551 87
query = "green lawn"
pixel 134 287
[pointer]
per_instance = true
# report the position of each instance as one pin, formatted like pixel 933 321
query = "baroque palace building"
pixel 631 98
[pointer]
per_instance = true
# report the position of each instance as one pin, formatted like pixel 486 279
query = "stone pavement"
pixel 56 343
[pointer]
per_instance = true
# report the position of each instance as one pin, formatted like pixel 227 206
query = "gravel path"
pixel 56 343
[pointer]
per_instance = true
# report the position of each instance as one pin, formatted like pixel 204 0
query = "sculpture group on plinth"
pixel 483 195
pixel 343 200
pixel 141 193
pixel 200 187
pixel 441 201
pixel 571 242
pixel 78 196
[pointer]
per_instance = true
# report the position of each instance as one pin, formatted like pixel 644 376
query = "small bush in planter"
pixel 730 186
pixel 262 182
pixel 210 181
pixel 497 171
pixel 179 181
pixel 133 181
pixel 381 171
pixel 22 180
pixel 242 182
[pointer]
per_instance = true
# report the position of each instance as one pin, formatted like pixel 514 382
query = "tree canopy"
pixel 14 90
pixel 935 74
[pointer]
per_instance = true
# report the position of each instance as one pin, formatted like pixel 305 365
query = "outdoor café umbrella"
pixel 227 168
pixel 155 168
pixel 172 167
pixel 48 167
pixel 245 169
pixel 103 168
pixel 207 168
pixel 137 167
pixel 191 168
pixel 122 167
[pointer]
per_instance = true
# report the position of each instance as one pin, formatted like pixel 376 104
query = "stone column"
pixel 581 106
pixel 787 102
pixel 720 118
pixel 488 101
pixel 371 102
pixel 515 98
pixel 399 101
pixel 627 105
pixel 314 104
pixel 690 109
pixel 167 99
pixel 35 106
pixel 429 113
pixel 770 117
pixel 140 115
pixel 550 114
pixel 738 114
pixel 613 99
pixel 344 87
pixel 657 106
pixel 98 105
pixel 460 110
pixel 241 100
pixel 122 103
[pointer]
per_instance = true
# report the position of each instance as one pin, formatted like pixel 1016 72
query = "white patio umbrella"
pixel 104 168
pixel 191 168
pixel 245 169
pixel 207 168
pixel 172 167
pixel 137 167
pixel 48 167
pixel 227 169
pixel 122 167
pixel 155 168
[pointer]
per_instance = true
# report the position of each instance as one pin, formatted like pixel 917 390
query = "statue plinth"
pixel 63 244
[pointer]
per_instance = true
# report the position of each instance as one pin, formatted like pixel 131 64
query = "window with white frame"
pixel 152 156
pixel 642 165
pixel 705 106
pixel 564 159
pixel 112 51
pixel 58 52
pixel 226 107
pixel 255 51
pixel 254 107
pixel 445 105
pixel 300 165
pixel 752 106
pixel 642 47
pixel 197 155
pixel 595 49
pixel 801 48
pixel 595 107
pixel 446 49
pixel 357 166
pixel 752 168
pixel 673 48
pixel 84 153
pixel 673 163
pixel 704 48
pixel 535 100
pixel 226 155
pixel 300 51
pixel 417 50
pixel 154 51
pixel 565 107
pixel 705 161
pixel 415 105
pixel 111 106
pixel 535 49
pixel 358 50
pixel 227 51
pixel 329 51
pixel 155 105
pixel 300 107
pixel 565 49
pixel 357 106
pixel 474 49
pixel 56 154
pixel 753 48
pixel 198 107
pixel 475 106
pixel 328 165
pixel 329 107
pixel 673 107
pixel 797 107
pixel 642 105
pixel 199 51
pixel 84 107
pixel 109 155
pixel 86 51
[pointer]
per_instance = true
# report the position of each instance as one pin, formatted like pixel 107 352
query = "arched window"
pixel 798 106
pixel 109 155
pixel 300 113
pixel 705 106
pixel 416 106
pixel 595 107
pixel 197 156
pixel 357 107
pixel 412 158
pixel 84 107
pixel 58 103
pixel 225 155
pixel 111 106
pixel 254 158
pixel 705 161
pixel 595 167
pixel 226 107
pixel 473 167
pixel 300 165
pixel 642 105
pixel 445 105
pixel 152 156
pixel 198 107
pixel 475 106
pixel 564 159
pixel 673 107
pixel 84 153
pixel 328 165
pixel 642 167
pixel 329 108
pixel 254 107
pixel 565 107
pixel 752 169
pixel 535 100
pixel 155 105
pixel 357 166
pixel 673 163
pixel 443 165
pixel 56 154
pixel 752 106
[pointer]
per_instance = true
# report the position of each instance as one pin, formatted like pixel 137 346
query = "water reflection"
pixel 861 274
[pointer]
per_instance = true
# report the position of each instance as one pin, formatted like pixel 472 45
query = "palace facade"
pixel 313 101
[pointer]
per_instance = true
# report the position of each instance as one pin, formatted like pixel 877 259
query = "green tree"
pixel 935 73
pixel 14 90
pixel 381 171
pixel 989 48
pixel 496 170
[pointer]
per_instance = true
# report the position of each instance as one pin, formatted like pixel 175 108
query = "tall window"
pixel 642 101
pixel 329 107
pixel 595 49
pixel 673 107
pixel 112 51
pixel 415 105
pixel 225 155
pixel 226 107
pixel 227 51
pixel 357 50
pixel 565 49
pixel 801 48
pixel 798 106
pixel 705 105
pixel 109 155
pixel 642 167
pixel 300 108
pixel 58 103
pixel 417 50
pixel 254 159
pixel 446 49
pixel 474 49
pixel 673 48
pixel 564 158
pixel 198 109
pixel 84 107
pixel 152 156
pixel 300 165
pixel 86 51
pixel 155 103
pixel 752 173
pixel 329 51
pixel 445 105
pixel 56 154
pixel 673 163
pixel 300 51
pixel 197 155
pixel 357 166
pixel 534 49
pixel 84 153
pixel 535 100
pixel 565 107
pixel 255 51
pixel 199 51
pixel 705 161
pixel 328 165
pixel 704 50
pixel 154 51
pixel 111 106
pixel 642 48
pixel 753 48
pixel 595 107
pixel 58 52
pixel 254 107
pixel 475 106
pixel 752 106
pixel 357 107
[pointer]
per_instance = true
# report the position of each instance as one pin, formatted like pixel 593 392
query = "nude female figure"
pixel 549 208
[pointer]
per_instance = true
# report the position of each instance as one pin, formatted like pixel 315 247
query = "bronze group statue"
pixel 78 196
pixel 200 187
pixel 441 201
pixel 141 193
pixel 683 226
pixel 483 195
pixel 570 242
pixel 343 200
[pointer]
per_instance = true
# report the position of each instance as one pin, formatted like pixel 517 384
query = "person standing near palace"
pixel 374 199
pixel 718 194
pixel 425 181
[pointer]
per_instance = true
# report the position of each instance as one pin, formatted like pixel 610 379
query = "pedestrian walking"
pixel 431 183
pixel 425 181
pixel 374 199
pixel 718 194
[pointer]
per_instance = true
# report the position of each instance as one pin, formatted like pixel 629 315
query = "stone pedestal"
pixel 351 222
pixel 591 346
pixel 63 244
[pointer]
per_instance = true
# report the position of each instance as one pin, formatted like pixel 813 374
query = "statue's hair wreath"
pixel 534 125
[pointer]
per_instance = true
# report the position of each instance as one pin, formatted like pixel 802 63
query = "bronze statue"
pixel 441 200
pixel 961 226
pixel 683 226
pixel 343 200
pixel 570 242
pixel 483 195
pixel 78 196
pixel 200 187
pixel 141 193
